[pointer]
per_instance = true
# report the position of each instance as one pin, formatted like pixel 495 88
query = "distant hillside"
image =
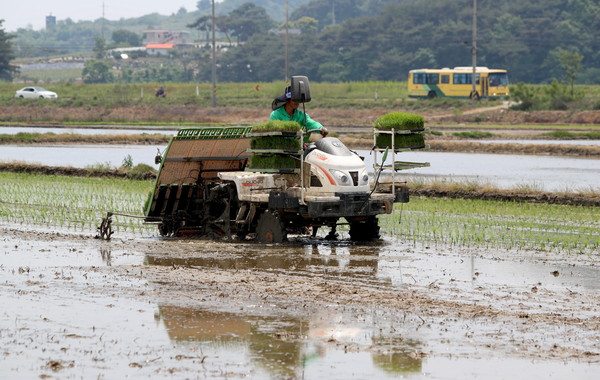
pixel 529 38
pixel 358 40
pixel 69 37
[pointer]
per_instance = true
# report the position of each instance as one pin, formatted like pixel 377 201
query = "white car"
pixel 35 92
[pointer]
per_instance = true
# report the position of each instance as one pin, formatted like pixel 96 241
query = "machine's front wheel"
pixel 364 230
pixel 270 228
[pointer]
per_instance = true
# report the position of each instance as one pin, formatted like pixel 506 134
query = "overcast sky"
pixel 32 13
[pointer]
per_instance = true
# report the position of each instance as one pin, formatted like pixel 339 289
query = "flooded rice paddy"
pixel 504 171
pixel 545 142
pixel 88 130
pixel 76 308
pixel 80 156
pixel 144 307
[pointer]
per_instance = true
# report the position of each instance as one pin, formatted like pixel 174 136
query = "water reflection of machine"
pixel 283 346
pixel 273 340
pixel 335 257
pixel 279 352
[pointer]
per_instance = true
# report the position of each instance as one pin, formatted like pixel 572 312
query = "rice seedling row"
pixel 78 204
pixel 72 203
pixel 496 225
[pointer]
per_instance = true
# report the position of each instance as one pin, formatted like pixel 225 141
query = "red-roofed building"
pixel 164 41
pixel 160 46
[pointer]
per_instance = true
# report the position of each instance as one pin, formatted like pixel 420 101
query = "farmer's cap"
pixel 279 101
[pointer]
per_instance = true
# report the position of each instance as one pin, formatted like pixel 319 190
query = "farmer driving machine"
pixel 264 182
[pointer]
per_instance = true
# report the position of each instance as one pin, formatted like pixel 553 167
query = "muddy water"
pixel 75 307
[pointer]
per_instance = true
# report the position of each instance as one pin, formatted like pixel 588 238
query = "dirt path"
pixel 472 111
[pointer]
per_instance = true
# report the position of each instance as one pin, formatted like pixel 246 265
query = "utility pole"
pixel 214 59
pixel 286 42
pixel 332 12
pixel 474 52
pixel 103 18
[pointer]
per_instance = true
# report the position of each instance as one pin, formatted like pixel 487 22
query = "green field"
pixel 361 94
pixel 71 203
pixel 348 95
pixel 496 225
pixel 77 204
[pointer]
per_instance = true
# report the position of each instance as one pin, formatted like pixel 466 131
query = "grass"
pixel 51 75
pixel 71 203
pixel 573 135
pixel 72 138
pixel 78 204
pixel 444 222
pixel 473 134
pixel 346 95
pixel 200 94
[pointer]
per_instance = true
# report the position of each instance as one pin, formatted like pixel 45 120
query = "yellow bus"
pixel 456 83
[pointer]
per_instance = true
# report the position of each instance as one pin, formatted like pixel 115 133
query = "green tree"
pixel 525 95
pixel 7 71
pixel 126 37
pixel 247 20
pixel 203 24
pixel 307 25
pixel 557 96
pixel 570 62
pixel 100 47
pixel 97 72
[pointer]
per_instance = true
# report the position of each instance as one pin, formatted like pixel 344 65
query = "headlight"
pixel 363 178
pixel 341 178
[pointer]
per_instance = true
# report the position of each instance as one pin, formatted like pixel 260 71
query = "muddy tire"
pixel 270 228
pixel 365 230
pixel 166 228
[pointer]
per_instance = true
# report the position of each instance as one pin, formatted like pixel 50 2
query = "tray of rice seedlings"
pixel 274 163
pixel 400 129
pixel 275 144
pixel 405 165
pixel 276 128
pixel 276 147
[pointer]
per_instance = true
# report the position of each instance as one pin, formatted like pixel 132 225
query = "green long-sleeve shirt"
pixel 298 116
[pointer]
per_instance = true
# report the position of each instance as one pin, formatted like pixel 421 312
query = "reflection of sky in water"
pixel 85 131
pixel 275 345
pixel 521 274
pixel 506 171
pixel 536 142
pixel 540 172
pixel 80 156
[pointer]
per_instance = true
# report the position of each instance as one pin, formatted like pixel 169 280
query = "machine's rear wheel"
pixel 165 228
pixel 270 228
pixel 365 230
